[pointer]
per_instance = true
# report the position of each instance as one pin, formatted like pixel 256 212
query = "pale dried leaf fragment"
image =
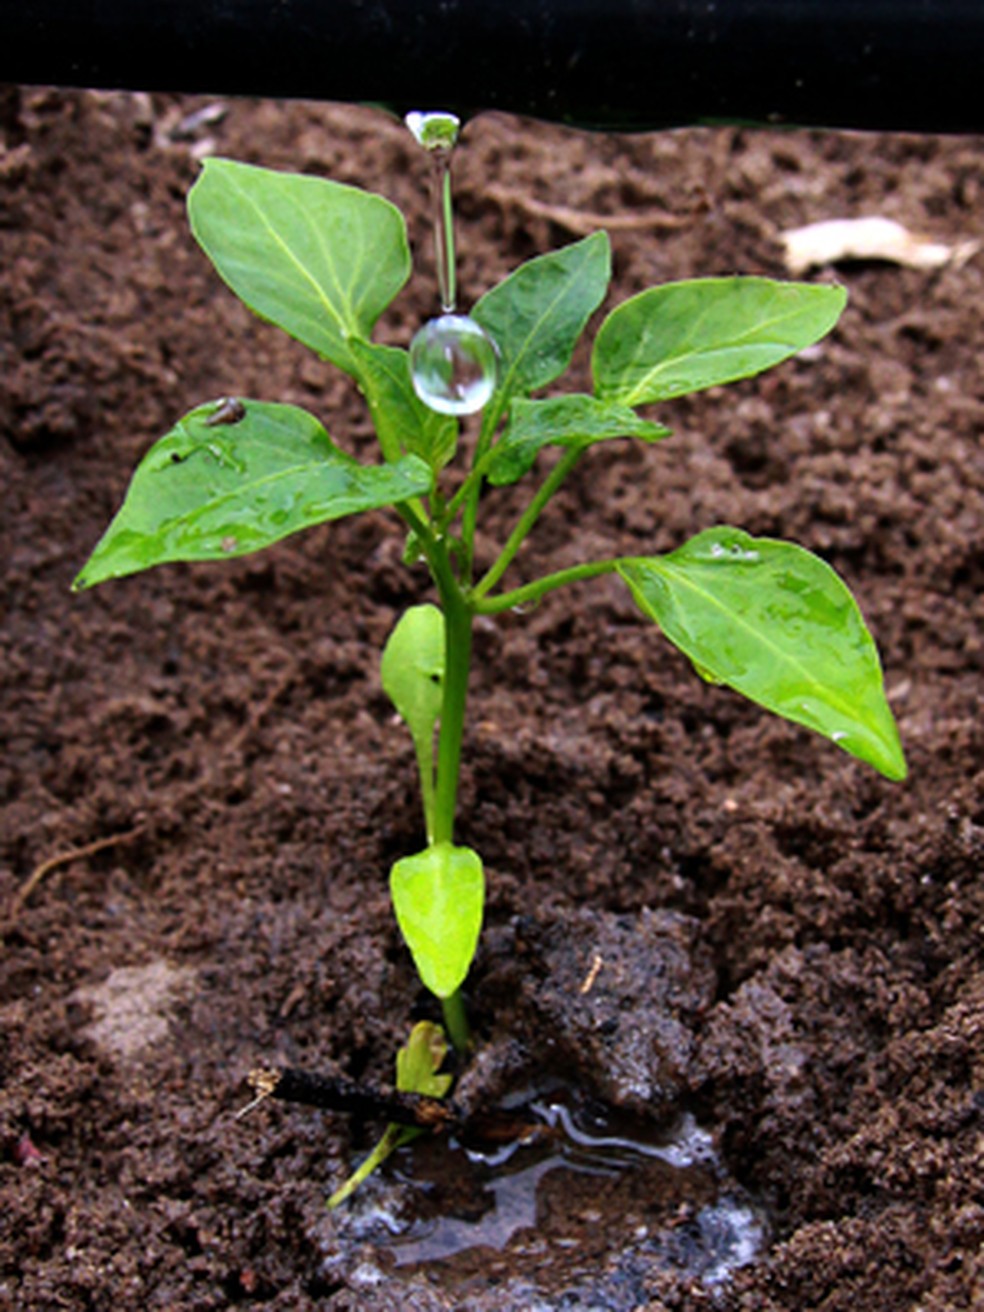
pixel 834 241
pixel 588 983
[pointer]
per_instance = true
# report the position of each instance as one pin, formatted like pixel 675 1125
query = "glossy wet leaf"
pixel 402 422
pixel 573 420
pixel 438 896
pixel 536 315
pixel 320 259
pixel 209 492
pixel 686 336
pixel 777 624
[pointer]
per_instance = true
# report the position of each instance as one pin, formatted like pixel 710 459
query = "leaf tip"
pixel 87 578
pixel 894 765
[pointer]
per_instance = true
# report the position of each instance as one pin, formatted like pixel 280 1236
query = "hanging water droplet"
pixel 453 361
pixel 454 365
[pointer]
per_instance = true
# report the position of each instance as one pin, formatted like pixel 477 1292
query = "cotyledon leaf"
pixel 412 675
pixel 777 624
pixel 439 896
pixel 412 668
pixel 233 477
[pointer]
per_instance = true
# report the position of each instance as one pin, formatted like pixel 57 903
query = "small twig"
pixel 63 859
pixel 340 1094
pixel 583 222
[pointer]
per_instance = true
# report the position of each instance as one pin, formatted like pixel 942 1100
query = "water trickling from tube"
pixel 453 361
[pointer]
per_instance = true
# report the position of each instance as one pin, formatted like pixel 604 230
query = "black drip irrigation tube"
pixel 897 65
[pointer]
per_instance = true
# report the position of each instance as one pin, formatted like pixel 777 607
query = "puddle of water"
pixel 585 1207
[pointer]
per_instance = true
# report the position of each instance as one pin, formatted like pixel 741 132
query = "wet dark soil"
pixel 201 771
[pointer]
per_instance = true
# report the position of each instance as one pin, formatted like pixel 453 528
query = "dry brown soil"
pixel 791 946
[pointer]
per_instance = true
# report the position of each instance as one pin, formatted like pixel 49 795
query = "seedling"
pixel 323 261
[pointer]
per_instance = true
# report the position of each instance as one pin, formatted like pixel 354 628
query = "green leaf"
pixel 438 896
pixel 216 487
pixel 402 422
pixel 412 674
pixel 420 1059
pixel 320 259
pixel 412 668
pixel 536 315
pixel 572 420
pixel 686 336
pixel 777 624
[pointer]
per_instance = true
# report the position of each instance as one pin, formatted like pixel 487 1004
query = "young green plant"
pixel 323 261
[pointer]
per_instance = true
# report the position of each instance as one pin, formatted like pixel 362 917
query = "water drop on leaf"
pixel 453 364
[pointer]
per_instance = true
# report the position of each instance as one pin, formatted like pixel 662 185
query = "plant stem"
pixel 456 1021
pixel 469 517
pixel 457 663
pixel 416 518
pixel 441 807
pixel 532 592
pixel 392 1138
pixel 529 517
pixel 424 751
pixel 463 493
pixel 458 617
